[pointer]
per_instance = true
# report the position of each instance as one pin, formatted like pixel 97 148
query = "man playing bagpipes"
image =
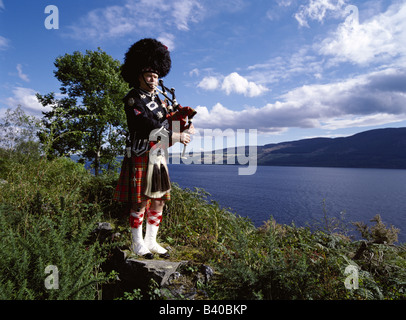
pixel 144 181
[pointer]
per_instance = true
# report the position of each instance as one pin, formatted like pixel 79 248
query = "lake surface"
pixel 300 194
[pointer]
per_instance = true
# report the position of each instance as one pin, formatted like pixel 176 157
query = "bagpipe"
pixel 158 182
pixel 183 115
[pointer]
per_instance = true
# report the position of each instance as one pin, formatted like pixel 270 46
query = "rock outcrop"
pixel 163 279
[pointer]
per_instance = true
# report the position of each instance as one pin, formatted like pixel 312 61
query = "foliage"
pixel 100 190
pixel 52 180
pixel 18 137
pixel 378 233
pixel 193 222
pixel 30 243
pixel 89 120
pixel 46 220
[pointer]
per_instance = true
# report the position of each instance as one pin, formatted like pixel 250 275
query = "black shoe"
pixel 148 256
pixel 165 255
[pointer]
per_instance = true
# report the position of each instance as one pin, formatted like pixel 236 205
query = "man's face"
pixel 148 81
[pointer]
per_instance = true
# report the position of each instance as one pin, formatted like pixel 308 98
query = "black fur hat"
pixel 145 55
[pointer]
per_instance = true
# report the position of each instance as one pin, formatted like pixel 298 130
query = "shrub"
pixel 60 177
pixel 378 233
pixel 45 220
pixel 31 243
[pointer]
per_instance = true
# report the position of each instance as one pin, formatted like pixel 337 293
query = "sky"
pixel 291 69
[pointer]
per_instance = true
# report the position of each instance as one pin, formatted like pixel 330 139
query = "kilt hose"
pixel 130 188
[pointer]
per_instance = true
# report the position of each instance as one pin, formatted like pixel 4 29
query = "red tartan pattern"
pixel 138 180
pixel 136 219
pixel 154 217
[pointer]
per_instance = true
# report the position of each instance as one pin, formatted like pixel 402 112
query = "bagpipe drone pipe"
pixel 183 115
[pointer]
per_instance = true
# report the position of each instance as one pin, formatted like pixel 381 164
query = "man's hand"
pixel 183 137
pixel 191 129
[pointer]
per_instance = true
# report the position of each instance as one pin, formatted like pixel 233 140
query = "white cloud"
pixel 238 84
pixel 284 3
pixel 194 72
pixel 209 83
pixel 380 38
pixel 4 43
pixel 186 11
pixel 232 83
pixel 141 17
pixel 302 62
pixel 318 10
pixel 109 22
pixel 360 121
pixel 26 98
pixel 168 40
pixel 21 75
pixel 371 99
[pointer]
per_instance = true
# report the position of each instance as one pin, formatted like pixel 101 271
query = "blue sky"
pixel 290 69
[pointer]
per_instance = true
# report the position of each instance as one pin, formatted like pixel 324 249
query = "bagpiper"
pixel 144 181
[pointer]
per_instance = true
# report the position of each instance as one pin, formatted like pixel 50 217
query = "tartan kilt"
pixel 139 167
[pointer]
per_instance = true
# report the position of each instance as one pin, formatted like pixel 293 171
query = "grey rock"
pixel 159 270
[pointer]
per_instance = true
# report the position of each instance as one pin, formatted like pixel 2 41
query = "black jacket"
pixel 144 114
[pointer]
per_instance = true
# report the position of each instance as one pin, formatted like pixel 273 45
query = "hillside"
pixel 380 148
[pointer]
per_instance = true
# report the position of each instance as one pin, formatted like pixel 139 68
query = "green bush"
pixel 60 177
pixel 45 220
pixel 30 243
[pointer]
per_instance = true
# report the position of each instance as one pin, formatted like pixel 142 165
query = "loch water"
pixel 302 195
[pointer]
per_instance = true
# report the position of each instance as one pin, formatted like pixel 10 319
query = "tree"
pixel 90 118
pixel 18 134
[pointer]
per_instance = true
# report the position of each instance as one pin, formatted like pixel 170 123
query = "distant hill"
pixel 380 148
